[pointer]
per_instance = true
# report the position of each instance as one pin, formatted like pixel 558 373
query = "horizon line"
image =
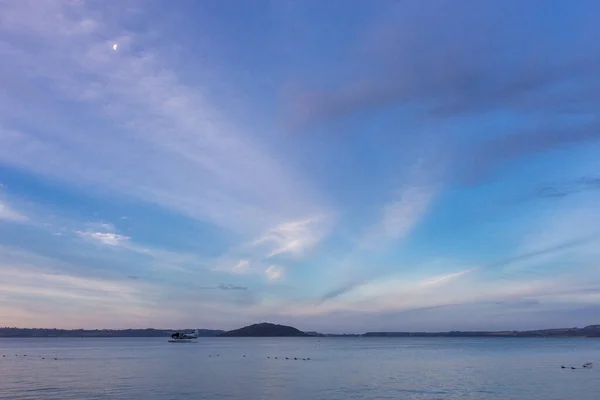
pixel 310 331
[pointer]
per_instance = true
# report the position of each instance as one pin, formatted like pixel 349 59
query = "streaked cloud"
pixel 468 68
pixel 293 237
pixel 51 283
pixel 565 188
pixel 408 206
pixel 400 216
pixel 229 286
pixel 10 214
pixel 287 242
pixel 496 152
pixel 242 267
pixel 107 238
pixel 102 233
pixel 465 65
pixel 223 286
pixel 409 288
pixel 159 178
pixel 441 279
pixel 274 273
pixel 189 158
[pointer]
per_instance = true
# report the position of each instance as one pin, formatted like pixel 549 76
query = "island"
pixel 264 329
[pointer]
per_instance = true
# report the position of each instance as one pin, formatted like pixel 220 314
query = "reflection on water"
pixel 338 369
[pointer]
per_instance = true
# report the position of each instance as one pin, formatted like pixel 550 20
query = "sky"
pixel 338 166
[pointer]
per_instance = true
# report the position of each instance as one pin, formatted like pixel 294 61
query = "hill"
pixel 264 330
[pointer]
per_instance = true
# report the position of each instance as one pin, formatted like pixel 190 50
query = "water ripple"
pixel 339 369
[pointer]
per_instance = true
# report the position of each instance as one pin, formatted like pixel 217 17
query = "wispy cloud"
pixel 438 280
pixel 229 286
pixel 189 156
pixel 38 285
pixel 242 267
pixel 222 286
pixel 274 273
pixel 469 67
pixel 229 218
pixel 565 188
pixel 233 265
pixel 487 157
pixel 465 64
pixel 552 249
pixel 107 238
pixel 396 306
pixel 103 233
pixel 284 243
pixel 60 285
pixel 569 229
pixel 341 290
pixel 396 220
pixel 401 215
pixel 8 213
pixel 292 237
pixel 442 279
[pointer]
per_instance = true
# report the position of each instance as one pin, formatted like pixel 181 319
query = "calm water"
pixel 339 369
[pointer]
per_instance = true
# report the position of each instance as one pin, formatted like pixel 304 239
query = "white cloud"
pixel 396 295
pixel 188 155
pixel 101 226
pixel 60 285
pixel 294 237
pixel 22 269
pixel 107 238
pixel 401 215
pixel 542 283
pixel 38 286
pixel 9 214
pixel 242 267
pixel 274 273
pixel 106 233
pixel 442 279
pixel 409 204
pixel 234 265
pixel 573 219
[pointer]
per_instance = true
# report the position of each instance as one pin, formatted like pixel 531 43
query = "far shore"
pixel 586 332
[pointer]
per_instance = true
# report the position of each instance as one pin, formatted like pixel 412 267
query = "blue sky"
pixel 340 166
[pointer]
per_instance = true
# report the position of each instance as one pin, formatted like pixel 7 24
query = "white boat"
pixel 179 337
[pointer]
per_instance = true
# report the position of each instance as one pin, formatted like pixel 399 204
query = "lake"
pixel 338 369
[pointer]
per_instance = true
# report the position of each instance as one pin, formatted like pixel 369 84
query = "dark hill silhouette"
pixel 264 329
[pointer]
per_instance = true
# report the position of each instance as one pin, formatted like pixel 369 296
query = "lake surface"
pixel 339 369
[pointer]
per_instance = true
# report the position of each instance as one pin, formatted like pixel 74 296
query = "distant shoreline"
pixel 330 336
pixel 96 333
pixel 592 331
